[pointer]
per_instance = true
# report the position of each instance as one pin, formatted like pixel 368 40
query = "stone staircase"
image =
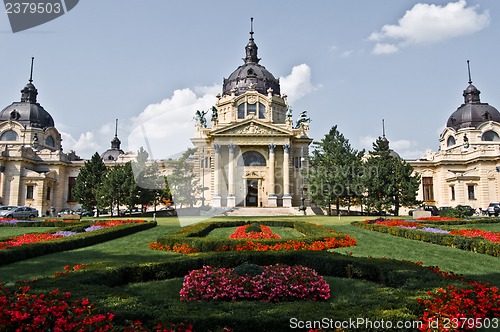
pixel 256 211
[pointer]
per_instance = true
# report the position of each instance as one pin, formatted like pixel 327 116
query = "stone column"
pixel 287 198
pixel 216 199
pixel 272 199
pixel 231 199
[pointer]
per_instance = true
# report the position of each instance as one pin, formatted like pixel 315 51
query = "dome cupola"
pixel 250 75
pixel 472 112
pixel 28 112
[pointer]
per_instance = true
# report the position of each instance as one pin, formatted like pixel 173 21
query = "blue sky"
pixel 153 63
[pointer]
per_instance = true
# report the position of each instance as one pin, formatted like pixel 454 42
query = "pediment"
pixel 251 128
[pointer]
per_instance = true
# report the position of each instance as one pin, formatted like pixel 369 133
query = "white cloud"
pixel 429 23
pixel 381 48
pixel 165 128
pixel 85 146
pixel 298 83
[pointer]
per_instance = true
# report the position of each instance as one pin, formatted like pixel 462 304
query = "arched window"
pixel 49 141
pixel 252 158
pixel 451 141
pixel 9 135
pixel 490 136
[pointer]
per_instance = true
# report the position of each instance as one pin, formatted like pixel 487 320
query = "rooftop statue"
pixel 199 117
pixel 303 118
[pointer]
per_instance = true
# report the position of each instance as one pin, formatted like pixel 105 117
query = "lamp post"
pixel 302 206
pixel 202 176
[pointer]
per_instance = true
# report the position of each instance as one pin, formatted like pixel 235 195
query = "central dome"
pixel 251 75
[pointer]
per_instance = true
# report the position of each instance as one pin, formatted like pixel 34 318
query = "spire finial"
pixel 31 71
pixel 383 128
pixel 116 127
pixel 251 28
pixel 468 69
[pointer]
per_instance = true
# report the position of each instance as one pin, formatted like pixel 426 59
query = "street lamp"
pixel 203 176
pixel 302 206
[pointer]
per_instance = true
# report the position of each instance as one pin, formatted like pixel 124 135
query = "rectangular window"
pixel 49 189
pixel 428 188
pixel 470 191
pixel 71 185
pixel 297 162
pixel 241 111
pixel 251 109
pixel 262 111
pixel 452 188
pixel 29 191
pixel 205 162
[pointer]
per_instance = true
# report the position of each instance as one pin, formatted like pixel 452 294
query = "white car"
pixel 19 212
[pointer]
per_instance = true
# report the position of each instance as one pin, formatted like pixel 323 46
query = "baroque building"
pixel 465 169
pixel 34 171
pixel 251 153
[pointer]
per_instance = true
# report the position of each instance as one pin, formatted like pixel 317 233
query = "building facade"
pixel 465 169
pixel 251 153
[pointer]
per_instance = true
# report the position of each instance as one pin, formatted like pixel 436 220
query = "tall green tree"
pixel 182 181
pixel 390 181
pixel 88 181
pixel 334 175
pixel 118 188
pixel 152 184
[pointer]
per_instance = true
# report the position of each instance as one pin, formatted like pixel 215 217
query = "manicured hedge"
pixel 474 244
pixel 461 221
pixel 14 254
pixel 410 277
pixel 195 236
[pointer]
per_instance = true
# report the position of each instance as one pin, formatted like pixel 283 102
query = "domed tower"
pixel 251 154
pixel 115 151
pixel 251 74
pixel 28 119
pixel 472 122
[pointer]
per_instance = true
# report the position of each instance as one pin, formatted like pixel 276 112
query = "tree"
pixel 118 188
pixel 87 182
pixel 334 173
pixel 183 182
pixel 390 182
pixel 152 184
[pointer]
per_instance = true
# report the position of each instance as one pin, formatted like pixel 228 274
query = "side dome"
pixel 251 75
pixel 472 112
pixel 28 112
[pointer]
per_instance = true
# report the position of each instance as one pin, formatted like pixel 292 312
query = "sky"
pixel 152 63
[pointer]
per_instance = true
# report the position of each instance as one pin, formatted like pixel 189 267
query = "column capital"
pixel 231 148
pixel 286 148
pixel 272 147
pixel 217 148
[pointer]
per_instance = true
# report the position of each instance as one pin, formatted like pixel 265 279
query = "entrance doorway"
pixel 252 198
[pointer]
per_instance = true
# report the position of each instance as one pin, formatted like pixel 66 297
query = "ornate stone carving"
pixel 272 147
pixel 286 148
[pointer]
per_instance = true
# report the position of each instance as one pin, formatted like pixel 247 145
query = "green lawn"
pixel 14 231
pixel 159 300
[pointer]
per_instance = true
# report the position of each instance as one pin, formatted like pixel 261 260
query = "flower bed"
pixel 193 239
pixel 276 283
pixel 466 239
pixel 77 236
pixel 265 233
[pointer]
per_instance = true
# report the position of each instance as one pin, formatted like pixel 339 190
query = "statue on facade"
pixel 289 114
pixel 303 118
pixel 215 115
pixel 199 117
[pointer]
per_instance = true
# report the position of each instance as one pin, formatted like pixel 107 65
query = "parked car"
pixel 467 210
pixel 19 212
pixel 65 211
pixel 432 208
pixel 84 213
pixel 494 209
pixel 7 207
